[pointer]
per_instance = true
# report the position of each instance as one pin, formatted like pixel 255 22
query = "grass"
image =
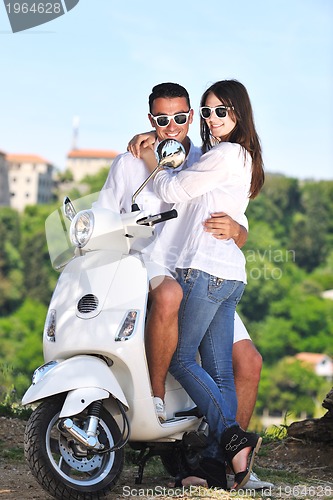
pixel 15 411
pixel 14 453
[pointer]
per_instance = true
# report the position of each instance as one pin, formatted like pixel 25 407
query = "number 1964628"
pixel 35 8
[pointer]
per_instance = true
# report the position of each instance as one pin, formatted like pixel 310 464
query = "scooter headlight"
pixel 40 372
pixel 82 227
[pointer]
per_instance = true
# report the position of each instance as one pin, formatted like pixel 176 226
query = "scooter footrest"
pixel 192 412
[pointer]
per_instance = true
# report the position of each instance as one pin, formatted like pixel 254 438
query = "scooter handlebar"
pixel 151 220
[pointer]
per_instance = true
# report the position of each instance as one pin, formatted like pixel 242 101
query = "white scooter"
pixel 94 388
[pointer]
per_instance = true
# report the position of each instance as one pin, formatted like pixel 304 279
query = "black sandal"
pixel 233 440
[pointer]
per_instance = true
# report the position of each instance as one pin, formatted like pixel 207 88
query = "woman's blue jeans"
pixel 206 323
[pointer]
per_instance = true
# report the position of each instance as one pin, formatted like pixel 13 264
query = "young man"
pixel 170 115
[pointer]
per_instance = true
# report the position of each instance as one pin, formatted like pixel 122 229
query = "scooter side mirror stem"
pixel 171 154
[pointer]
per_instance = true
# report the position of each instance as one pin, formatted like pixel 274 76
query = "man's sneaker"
pixel 160 409
pixel 254 483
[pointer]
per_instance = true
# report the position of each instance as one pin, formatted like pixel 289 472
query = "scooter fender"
pixel 85 378
pixel 77 400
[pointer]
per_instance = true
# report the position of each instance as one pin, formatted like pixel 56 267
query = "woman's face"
pixel 219 127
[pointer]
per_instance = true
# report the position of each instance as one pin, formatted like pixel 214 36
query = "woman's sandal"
pixel 233 440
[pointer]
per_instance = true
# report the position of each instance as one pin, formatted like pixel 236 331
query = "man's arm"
pixel 223 227
pixel 143 140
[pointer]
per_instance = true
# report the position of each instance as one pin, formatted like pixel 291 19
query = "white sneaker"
pixel 254 483
pixel 160 409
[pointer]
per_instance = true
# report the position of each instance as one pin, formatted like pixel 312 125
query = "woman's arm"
pixel 213 169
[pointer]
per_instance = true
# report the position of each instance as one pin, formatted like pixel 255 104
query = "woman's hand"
pixel 140 142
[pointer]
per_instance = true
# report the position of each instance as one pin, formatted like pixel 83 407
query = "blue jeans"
pixel 206 323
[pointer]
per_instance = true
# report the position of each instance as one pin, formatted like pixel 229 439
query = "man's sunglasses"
pixel 164 120
pixel 220 111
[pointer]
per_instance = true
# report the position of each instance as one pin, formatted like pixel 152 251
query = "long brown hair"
pixel 234 95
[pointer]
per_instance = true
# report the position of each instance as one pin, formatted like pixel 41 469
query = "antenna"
pixel 76 121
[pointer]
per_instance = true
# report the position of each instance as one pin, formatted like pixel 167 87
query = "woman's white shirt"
pixel 222 177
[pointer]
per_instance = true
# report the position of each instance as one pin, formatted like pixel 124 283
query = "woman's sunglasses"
pixel 220 111
pixel 164 120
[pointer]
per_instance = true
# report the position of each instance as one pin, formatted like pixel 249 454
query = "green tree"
pixel 271 271
pixel 66 176
pixel 275 338
pixel 311 234
pixel 39 278
pixel 311 318
pixel 289 386
pixel 276 204
pixel 96 182
pixel 10 225
pixel 21 347
pixel 36 272
pixel 323 275
pixel 11 265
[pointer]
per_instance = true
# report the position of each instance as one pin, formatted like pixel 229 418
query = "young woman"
pixel 211 272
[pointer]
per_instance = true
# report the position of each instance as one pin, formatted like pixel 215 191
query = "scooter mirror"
pixel 169 153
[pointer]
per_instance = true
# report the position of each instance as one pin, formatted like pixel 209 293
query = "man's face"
pixel 170 107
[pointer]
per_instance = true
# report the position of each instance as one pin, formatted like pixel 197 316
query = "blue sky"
pixel 100 61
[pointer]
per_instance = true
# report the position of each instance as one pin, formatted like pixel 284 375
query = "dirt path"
pixel 298 470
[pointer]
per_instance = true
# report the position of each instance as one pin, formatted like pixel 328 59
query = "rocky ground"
pixel 299 470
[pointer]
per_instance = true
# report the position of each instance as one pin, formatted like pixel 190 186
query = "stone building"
pixel 82 162
pixel 4 185
pixel 30 180
pixel 322 364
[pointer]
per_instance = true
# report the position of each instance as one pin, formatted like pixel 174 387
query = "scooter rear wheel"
pixel 64 468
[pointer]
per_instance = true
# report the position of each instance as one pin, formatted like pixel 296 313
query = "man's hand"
pixel 140 142
pixel 148 156
pixel 223 227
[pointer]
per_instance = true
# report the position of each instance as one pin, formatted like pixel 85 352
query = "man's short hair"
pixel 169 91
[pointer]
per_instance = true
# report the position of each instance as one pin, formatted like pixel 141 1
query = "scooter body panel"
pixel 118 284
pixel 77 372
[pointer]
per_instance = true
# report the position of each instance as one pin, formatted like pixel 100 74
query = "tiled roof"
pixel 91 153
pixel 310 357
pixel 26 158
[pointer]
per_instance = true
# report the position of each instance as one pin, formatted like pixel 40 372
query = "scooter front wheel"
pixel 67 469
